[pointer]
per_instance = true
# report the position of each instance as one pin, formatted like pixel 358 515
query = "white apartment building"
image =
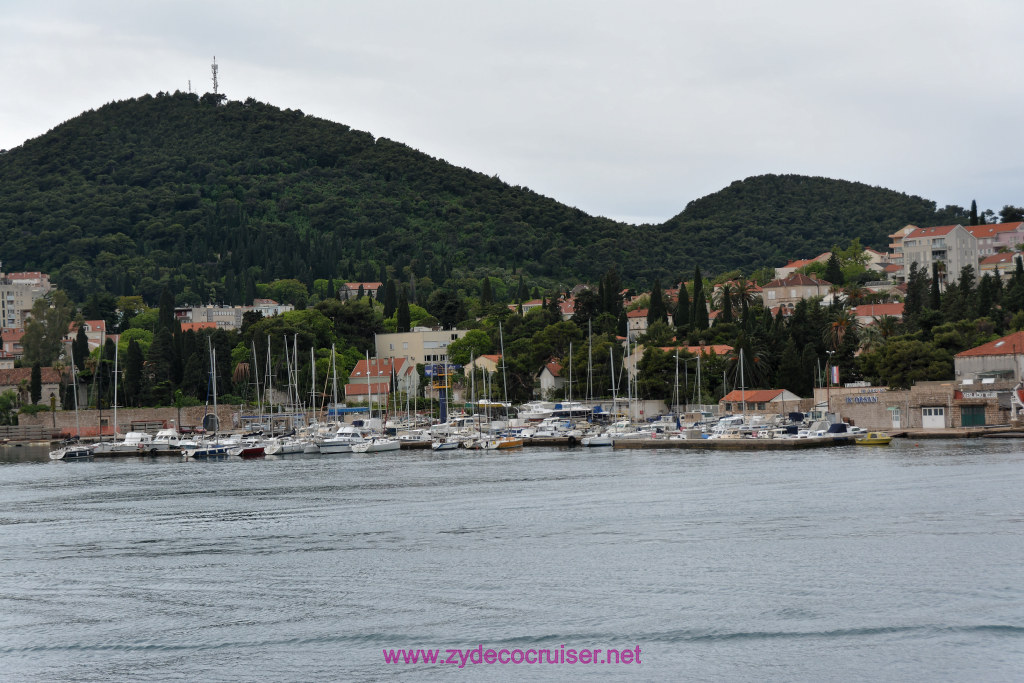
pixel 422 345
pixel 952 245
pixel 18 291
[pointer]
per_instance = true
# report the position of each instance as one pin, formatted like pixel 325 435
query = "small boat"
pixel 72 451
pixel 873 439
pixel 503 443
pixel 449 444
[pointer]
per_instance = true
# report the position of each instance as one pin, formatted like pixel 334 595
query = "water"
pixel 892 564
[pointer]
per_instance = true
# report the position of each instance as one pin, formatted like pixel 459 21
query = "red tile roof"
pixel 797 280
pixel 379 367
pixel 364 389
pixel 998 259
pixel 1009 345
pixel 554 368
pixel 937 231
pixel 195 327
pixel 877 310
pixel 985 231
pixel 751 395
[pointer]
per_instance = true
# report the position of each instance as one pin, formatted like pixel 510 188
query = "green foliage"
pixel 904 361
pixel 473 345
pixel 8 407
pixel 204 199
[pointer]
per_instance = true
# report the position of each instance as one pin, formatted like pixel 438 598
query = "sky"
pixel 627 109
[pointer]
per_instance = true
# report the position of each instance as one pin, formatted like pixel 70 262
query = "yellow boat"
pixel 873 439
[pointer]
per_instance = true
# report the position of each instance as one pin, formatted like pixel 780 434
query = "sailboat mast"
pixel 117 349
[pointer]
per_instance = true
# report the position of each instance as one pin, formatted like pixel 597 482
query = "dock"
pixel 736 444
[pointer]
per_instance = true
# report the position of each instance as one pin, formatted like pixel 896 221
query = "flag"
pixel 835 374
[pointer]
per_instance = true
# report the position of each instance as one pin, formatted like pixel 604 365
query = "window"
pixel 771 294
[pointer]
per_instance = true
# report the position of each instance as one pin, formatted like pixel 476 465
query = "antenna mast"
pixel 213 68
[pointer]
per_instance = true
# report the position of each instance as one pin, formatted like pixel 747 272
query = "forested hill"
pixel 209 197
pixel 771 219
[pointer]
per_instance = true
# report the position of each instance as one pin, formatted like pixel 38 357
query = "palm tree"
pixel 855 294
pixel 744 295
pixel 844 323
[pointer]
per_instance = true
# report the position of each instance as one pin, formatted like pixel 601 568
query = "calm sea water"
pixel 848 564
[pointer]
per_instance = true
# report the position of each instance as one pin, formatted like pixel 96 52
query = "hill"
pixel 208 197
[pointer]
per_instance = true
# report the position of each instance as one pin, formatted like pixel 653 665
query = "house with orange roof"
pixel 350 290
pixel 636 322
pixel 790 290
pixel 868 314
pixel 550 379
pixel 95 332
pixel 795 265
pixel 995 236
pixel 1001 359
pixel 951 245
pixel 1002 264
pixel 12 341
pixel 760 402
pixel 488 362
pixel 371 380
pixel 196 327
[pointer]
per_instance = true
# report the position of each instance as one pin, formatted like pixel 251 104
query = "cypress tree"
pixel 390 298
pixel 681 318
pixel 133 373
pixel 403 313
pixel 486 293
pixel 974 212
pixel 699 313
pixel 80 348
pixel 35 384
pixel 936 299
pixel 656 310
pixel 833 272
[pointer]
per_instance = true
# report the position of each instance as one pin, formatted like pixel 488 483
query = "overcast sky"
pixel 622 109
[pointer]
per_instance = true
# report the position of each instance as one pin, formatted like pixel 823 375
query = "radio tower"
pixel 213 67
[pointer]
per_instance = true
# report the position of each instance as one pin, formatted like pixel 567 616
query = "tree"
pixel 403 313
pixel 901 363
pixel 973 220
pixel 1011 214
pixel 656 311
pixel 486 293
pixel 80 348
pixel 833 270
pixel 36 383
pixel 46 328
pixel 725 291
pixel 681 317
pixel 473 345
pixel 699 315
pixel 390 298
pixel 133 373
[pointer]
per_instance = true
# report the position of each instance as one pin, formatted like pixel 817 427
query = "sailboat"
pixel 214 450
pixel 72 449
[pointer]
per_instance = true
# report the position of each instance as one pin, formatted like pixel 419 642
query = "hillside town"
pixel 415 363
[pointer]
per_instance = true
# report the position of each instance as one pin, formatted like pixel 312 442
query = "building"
pixel 951 245
pixel 223 317
pixel 550 379
pixel 761 401
pixel 95 333
pixel 997 360
pixel 793 266
pixel 895 269
pixel 18 380
pixel 790 290
pixel 350 290
pixel 12 341
pixel 926 405
pixel 371 380
pixel 636 322
pixel 997 236
pixel 18 292
pixel 1003 264
pixel 488 362
pixel 868 314
pixel 268 308
pixel 422 345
